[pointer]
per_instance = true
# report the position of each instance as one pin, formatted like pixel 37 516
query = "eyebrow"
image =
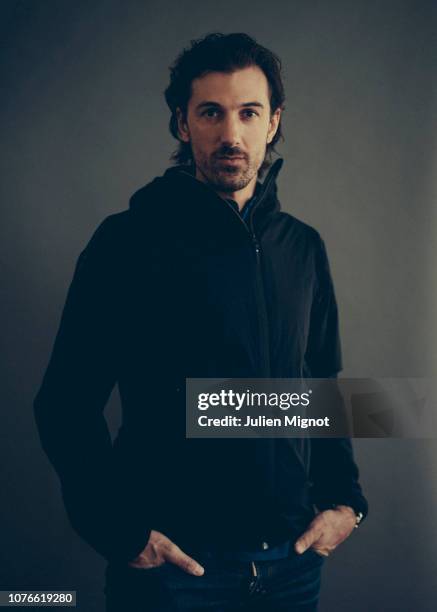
pixel 212 103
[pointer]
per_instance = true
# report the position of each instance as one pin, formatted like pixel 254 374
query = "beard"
pixel 228 169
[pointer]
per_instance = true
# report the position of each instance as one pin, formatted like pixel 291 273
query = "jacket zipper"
pixel 262 309
pixel 260 293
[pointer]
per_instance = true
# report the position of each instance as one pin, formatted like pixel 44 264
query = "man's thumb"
pixel 305 541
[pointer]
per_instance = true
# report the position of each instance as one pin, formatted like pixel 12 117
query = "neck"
pixel 241 196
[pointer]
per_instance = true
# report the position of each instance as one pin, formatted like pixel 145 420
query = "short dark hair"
pixel 218 52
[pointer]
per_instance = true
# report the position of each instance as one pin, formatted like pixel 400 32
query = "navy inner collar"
pixel 245 210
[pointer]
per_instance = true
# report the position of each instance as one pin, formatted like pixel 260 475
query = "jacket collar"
pixel 177 179
pixel 265 192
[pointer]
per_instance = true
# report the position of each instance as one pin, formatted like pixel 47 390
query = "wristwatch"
pixel 359 518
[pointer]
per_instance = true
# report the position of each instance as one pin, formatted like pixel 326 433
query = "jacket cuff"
pixel 111 529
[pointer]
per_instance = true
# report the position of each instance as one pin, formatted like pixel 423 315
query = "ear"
pixel 184 132
pixel 273 125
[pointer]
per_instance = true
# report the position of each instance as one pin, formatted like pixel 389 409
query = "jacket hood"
pixel 179 179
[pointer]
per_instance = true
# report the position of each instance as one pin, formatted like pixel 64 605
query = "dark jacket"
pixel 180 286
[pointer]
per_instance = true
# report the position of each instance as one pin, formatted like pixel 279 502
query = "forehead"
pixel 231 89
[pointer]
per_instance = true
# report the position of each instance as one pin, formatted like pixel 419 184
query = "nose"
pixel 230 133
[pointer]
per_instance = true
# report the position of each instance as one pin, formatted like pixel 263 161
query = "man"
pixel 203 276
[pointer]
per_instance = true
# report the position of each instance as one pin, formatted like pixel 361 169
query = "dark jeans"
pixel 291 584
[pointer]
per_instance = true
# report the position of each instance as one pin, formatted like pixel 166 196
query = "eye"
pixel 210 112
pixel 249 113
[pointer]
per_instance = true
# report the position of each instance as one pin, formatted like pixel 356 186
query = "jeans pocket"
pixel 316 555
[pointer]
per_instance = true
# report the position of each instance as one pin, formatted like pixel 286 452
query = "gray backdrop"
pixel 84 124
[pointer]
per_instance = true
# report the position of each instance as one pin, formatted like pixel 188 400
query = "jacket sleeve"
pixel 69 405
pixel 333 471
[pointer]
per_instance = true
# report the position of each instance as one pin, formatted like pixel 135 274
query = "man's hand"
pixel 327 531
pixel 160 550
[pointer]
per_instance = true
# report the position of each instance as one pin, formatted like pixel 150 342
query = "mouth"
pixel 231 160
